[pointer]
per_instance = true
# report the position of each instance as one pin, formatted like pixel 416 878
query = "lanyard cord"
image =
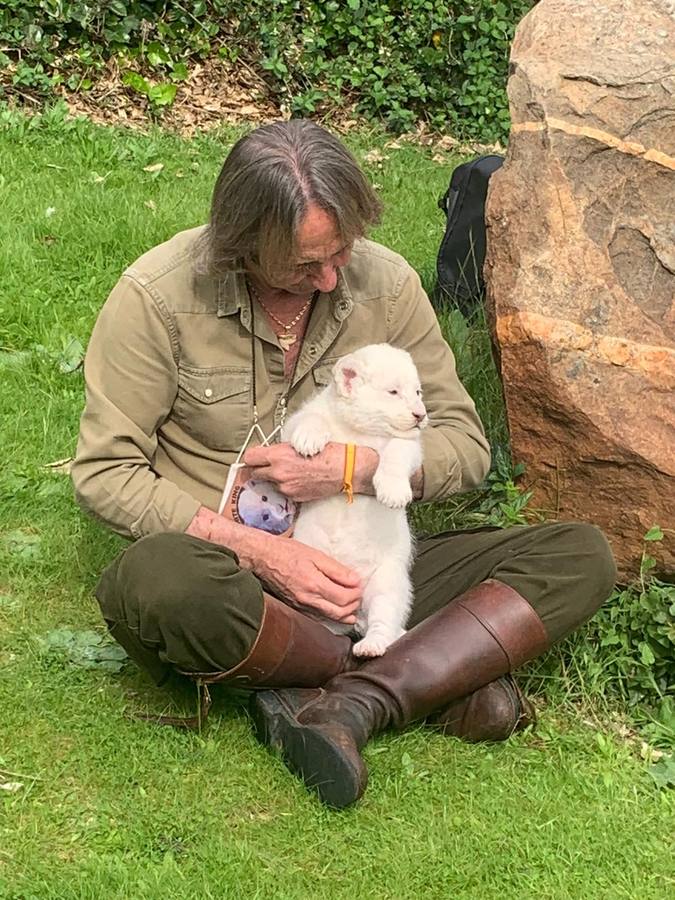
pixel 237 465
pixel 284 398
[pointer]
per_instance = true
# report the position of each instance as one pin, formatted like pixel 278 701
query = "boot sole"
pixel 336 774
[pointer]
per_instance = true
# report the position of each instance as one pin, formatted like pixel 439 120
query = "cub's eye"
pixel 264 498
pixel 419 392
pixel 394 393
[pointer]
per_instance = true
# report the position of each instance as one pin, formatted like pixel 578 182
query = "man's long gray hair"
pixel 264 188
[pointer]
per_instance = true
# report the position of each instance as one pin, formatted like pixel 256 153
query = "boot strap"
pixel 190 723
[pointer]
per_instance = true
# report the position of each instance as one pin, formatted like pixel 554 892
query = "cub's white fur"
pixel 375 400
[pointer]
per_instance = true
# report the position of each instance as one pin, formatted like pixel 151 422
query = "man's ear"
pixel 347 376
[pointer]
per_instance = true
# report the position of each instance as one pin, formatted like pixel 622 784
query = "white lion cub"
pixel 375 400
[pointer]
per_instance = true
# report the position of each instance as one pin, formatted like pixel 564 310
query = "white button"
pixel 208 392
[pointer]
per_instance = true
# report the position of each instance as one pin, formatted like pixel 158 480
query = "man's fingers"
pixel 257 456
pixel 347 599
pixel 338 573
pixel 337 613
pixel 266 456
pixel 339 595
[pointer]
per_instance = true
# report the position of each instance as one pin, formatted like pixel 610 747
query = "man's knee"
pixel 185 599
pixel 171 569
pixel 565 570
pixel 587 569
pixel 589 552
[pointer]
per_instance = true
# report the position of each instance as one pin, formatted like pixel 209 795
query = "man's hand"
pixel 306 577
pixel 298 573
pixel 301 479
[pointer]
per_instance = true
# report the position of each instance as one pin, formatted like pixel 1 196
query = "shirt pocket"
pixel 214 405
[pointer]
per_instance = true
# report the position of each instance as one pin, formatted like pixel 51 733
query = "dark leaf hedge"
pixel 396 61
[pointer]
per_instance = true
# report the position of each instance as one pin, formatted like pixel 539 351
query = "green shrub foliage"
pixel 398 61
pixel 635 632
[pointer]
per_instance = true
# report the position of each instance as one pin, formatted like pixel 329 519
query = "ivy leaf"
pixel 23 544
pixel 663 772
pixel 72 356
pixel 179 71
pixel 157 55
pixel 654 534
pixel 137 82
pixel 646 655
pixel 13 358
pixel 162 94
pixel 86 649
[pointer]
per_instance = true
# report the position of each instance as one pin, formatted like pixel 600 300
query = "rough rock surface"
pixel 581 266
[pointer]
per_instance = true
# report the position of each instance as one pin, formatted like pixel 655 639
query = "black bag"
pixel 461 256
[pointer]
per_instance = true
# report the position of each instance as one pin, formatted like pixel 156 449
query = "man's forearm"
pixel 366 466
pixel 248 543
pixel 245 542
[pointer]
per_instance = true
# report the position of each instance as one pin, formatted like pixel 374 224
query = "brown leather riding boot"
pixel 492 713
pixel 290 649
pixel 478 637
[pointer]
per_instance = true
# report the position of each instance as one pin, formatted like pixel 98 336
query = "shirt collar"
pixel 341 297
pixel 232 294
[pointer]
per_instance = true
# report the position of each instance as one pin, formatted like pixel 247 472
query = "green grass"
pixel 116 808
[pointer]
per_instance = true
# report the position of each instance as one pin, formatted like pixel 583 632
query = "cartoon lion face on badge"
pixel 260 505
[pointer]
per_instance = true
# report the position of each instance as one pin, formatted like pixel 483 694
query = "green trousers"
pixel 176 601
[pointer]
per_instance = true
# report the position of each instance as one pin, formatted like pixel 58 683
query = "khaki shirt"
pixel 169 382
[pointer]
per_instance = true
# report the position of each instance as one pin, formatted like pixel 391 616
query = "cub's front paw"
pixel 309 437
pixel 394 492
pixel 371 646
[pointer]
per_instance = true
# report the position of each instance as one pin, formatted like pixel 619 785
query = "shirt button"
pixel 312 350
pixel 208 392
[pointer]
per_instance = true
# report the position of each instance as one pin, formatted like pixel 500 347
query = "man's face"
pixel 321 251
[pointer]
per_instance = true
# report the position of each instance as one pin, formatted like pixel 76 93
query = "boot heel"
pixel 336 772
pixel 264 710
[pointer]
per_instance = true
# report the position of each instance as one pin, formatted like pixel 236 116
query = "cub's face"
pixel 381 391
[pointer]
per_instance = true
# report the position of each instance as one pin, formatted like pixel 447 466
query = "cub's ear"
pixel 347 376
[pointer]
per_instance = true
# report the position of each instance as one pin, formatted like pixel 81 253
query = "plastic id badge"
pixel 252 502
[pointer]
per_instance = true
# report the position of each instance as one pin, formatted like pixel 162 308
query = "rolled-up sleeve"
pixel 456 451
pixel 131 381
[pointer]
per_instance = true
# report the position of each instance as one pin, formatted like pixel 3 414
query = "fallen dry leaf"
pixel 11 786
pixel 374 156
pixel 60 465
pixel 155 167
pixel 447 142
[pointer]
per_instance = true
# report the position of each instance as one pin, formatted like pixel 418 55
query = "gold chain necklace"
pixel 286 339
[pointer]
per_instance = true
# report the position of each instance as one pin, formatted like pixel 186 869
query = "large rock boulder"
pixel 581 266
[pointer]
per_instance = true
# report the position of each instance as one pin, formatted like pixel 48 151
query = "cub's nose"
pixel 419 416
